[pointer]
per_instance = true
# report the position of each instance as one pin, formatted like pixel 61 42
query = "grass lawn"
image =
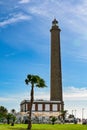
pixel 44 127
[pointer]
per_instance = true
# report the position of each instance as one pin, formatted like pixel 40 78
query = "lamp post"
pixel 75 113
pixel 82 113
pixel 72 112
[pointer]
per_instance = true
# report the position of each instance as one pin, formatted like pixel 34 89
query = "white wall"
pixel 47 107
pixel 54 107
pixel 39 107
pixel 33 107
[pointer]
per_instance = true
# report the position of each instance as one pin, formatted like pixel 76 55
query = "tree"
pixel 63 114
pixel 8 117
pixel 53 119
pixel 3 111
pixel 13 120
pixel 13 111
pixel 34 80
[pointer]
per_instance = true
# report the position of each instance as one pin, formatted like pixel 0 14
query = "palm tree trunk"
pixel 8 121
pixel 31 103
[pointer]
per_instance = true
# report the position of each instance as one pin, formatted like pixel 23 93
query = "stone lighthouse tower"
pixel 56 76
pixel 55 105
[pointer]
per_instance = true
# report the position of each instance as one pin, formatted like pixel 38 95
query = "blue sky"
pixel 25 48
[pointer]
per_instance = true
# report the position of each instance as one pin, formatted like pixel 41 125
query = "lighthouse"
pixel 55 105
pixel 56 74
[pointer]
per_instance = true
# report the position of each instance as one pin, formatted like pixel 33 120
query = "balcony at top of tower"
pixel 55 26
pixel 54 22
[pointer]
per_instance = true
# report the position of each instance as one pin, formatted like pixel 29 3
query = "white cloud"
pixel 24 1
pixel 14 19
pixel 70 93
pixel 73 93
pixel 74 17
pixel 42 95
pixel 18 97
pixel 6 99
pixel 74 99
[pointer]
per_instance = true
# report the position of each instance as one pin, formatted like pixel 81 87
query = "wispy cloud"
pixel 72 97
pixel 74 93
pixel 6 99
pixel 24 1
pixel 16 18
pixel 1 2
pixel 13 97
pixel 73 17
pixel 71 93
pixel 42 95
pixel 38 94
pixel 9 54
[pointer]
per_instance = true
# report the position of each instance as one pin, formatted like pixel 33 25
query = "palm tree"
pixel 13 120
pixel 13 111
pixel 53 119
pixel 34 80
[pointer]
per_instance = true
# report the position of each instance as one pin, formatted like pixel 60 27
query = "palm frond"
pixel 29 76
pixel 36 80
pixel 41 83
pixel 26 81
